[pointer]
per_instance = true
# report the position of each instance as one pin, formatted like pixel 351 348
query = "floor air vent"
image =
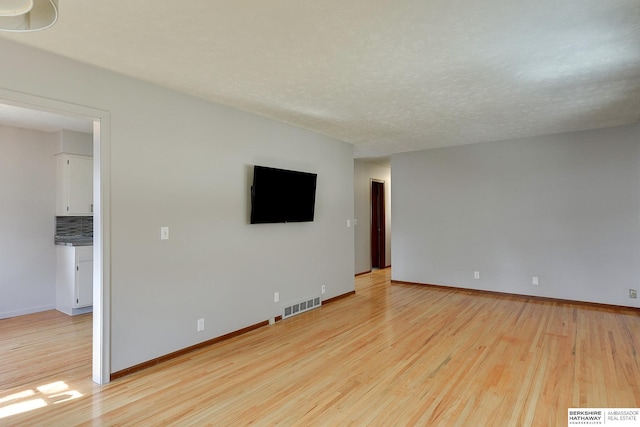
pixel 301 307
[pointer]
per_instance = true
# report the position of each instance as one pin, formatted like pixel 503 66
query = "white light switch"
pixel 348 223
pixel 476 274
pixel 164 233
pixel 534 281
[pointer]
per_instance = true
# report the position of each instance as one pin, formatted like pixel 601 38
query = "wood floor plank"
pixel 392 354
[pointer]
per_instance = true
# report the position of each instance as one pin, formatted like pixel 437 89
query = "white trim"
pixel 102 218
pixel 28 310
pixel 101 251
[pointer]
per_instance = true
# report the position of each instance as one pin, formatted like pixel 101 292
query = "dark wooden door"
pixel 377 225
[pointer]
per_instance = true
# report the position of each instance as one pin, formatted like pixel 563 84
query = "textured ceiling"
pixel 386 75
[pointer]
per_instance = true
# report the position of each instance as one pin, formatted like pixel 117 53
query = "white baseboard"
pixel 28 310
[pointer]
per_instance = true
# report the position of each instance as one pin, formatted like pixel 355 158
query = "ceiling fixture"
pixel 27 15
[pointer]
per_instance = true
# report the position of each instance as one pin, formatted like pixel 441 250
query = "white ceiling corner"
pixel 29 118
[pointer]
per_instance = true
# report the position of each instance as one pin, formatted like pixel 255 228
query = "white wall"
pixel 565 208
pixel 185 163
pixel 27 221
pixel 364 173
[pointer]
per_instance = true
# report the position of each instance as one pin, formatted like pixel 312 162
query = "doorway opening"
pixel 101 225
pixel 378 231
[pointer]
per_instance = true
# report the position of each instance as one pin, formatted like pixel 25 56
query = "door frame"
pixel 101 347
pixel 378 229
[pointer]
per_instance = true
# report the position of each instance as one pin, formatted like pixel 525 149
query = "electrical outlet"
pixel 535 281
pixel 476 274
pixel 276 296
pixel 200 325
pixel 323 289
pixel 633 293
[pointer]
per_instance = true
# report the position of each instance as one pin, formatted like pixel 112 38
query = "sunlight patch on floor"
pixel 52 393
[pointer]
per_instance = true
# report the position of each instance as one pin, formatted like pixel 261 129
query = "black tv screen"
pixel 280 195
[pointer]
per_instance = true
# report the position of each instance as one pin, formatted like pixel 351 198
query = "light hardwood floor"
pixel 392 354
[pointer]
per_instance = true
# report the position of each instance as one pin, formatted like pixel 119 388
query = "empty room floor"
pixel 392 354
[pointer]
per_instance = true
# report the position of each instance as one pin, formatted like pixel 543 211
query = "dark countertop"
pixel 74 240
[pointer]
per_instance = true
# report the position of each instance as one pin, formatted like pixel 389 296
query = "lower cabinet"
pixel 74 279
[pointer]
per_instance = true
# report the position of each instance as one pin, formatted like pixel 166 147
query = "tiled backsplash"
pixel 74 226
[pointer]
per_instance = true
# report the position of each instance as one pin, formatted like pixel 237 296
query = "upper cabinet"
pixel 75 185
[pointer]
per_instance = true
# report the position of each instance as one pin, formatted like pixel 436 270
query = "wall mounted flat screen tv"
pixel 280 195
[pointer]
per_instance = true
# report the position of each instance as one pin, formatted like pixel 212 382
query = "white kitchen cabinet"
pixel 75 185
pixel 74 279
